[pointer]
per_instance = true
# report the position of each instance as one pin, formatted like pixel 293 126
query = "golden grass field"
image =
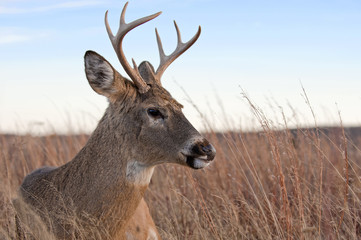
pixel 277 183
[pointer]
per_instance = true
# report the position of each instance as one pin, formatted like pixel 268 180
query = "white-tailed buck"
pixel 143 126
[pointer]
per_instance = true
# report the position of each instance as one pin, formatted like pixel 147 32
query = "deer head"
pixel 140 110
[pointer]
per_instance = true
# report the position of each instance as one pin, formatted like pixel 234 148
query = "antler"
pixel 117 40
pixel 165 61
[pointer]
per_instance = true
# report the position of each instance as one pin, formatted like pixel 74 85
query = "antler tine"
pixel 117 40
pixel 165 61
pixel 160 46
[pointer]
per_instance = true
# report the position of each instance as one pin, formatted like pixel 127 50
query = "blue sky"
pixel 267 48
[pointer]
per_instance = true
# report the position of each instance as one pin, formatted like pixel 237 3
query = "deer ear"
pixel 100 74
pixel 146 70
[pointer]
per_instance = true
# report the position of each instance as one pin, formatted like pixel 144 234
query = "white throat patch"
pixel 138 173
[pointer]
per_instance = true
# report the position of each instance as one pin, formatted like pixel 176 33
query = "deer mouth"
pixel 197 162
pixel 198 153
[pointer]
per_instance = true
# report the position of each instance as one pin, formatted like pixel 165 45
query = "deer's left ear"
pixel 102 77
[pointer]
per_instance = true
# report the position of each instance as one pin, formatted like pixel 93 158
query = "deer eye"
pixel 155 113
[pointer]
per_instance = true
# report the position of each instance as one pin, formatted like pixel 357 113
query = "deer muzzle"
pixel 199 154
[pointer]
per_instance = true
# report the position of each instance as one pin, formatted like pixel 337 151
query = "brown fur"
pixel 141 223
pixel 105 182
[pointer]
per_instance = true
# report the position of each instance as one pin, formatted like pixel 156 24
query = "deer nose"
pixel 210 151
pixel 207 149
pixel 204 148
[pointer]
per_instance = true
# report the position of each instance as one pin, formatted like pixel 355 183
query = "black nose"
pixel 207 149
pixel 204 148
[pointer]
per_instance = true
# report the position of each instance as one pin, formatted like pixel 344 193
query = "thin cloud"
pixel 65 5
pixel 14 38
pixel 19 36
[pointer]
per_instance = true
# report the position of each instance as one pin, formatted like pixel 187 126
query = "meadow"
pixel 273 183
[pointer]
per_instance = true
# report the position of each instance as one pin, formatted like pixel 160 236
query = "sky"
pixel 269 50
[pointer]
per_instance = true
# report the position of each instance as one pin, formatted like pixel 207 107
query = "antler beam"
pixel 165 60
pixel 117 40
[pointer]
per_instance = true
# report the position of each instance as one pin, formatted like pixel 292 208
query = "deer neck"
pixel 112 181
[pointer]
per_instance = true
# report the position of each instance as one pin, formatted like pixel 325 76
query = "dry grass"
pixel 273 184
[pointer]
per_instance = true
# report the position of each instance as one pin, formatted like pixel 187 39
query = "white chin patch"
pixel 200 163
